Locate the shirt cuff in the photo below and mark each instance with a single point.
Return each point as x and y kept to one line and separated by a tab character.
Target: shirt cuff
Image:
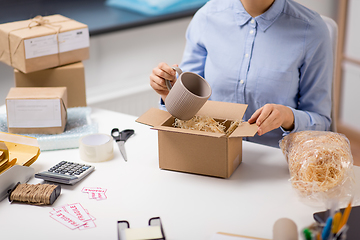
303	120
162	105
296	120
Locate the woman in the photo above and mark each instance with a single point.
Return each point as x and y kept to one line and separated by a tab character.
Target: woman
274	55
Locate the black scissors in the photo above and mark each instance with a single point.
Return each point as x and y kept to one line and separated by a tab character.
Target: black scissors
120	138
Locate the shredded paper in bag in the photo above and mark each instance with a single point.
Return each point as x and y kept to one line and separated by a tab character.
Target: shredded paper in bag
320	164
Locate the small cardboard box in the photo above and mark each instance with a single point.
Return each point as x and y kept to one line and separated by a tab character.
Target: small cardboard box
43	42
192	151
36	110
71	76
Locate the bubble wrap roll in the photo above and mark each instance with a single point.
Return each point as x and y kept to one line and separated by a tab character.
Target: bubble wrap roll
78	124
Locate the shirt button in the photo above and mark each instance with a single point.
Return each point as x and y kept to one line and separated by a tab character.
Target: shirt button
241	81
252	31
246	55
252	21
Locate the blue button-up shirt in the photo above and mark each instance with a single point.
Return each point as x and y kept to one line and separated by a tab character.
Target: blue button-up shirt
283	56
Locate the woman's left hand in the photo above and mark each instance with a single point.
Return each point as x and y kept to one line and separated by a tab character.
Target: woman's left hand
272	116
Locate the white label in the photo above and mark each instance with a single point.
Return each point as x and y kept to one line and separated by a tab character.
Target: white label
34	113
48	45
67	219
72	40
40	46
77	210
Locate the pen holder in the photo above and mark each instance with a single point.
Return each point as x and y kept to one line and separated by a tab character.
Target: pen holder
321	231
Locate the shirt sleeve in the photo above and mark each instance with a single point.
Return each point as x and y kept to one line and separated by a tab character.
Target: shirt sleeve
316	77
195	52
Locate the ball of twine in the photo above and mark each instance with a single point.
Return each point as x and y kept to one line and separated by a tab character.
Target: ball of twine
38	194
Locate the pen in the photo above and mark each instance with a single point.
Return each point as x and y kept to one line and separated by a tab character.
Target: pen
307	234
326	231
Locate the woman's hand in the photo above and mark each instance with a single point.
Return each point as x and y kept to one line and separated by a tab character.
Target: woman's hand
158	76
272	116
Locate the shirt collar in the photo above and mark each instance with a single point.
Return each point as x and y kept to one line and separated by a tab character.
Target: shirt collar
264	20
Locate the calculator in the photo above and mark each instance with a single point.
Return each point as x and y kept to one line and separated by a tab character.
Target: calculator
66	172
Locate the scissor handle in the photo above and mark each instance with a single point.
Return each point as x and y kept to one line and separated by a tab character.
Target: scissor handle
115	133
125	134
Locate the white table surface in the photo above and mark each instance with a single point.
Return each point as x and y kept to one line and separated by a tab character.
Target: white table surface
190	206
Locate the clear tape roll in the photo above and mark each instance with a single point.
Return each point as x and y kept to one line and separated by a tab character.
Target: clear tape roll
96	147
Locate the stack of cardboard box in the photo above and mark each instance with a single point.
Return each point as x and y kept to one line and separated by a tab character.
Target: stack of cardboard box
46	53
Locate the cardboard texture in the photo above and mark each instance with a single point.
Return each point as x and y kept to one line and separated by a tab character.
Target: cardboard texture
199	152
41	43
18	149
71	76
37	110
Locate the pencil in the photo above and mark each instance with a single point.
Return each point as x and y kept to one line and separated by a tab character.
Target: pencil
318	236
336	221
345	216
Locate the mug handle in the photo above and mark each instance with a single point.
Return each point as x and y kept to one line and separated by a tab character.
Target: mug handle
167	82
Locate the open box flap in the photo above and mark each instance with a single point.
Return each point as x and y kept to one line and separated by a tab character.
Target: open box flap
245	129
188	131
153	117
223	110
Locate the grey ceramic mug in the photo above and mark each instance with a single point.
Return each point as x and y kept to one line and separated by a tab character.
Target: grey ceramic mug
189	93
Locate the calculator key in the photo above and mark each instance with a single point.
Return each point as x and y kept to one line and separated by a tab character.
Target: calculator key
66	172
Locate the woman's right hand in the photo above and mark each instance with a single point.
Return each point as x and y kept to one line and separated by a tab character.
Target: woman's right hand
158	76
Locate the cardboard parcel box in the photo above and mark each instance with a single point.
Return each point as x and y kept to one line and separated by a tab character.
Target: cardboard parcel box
36	110
43	42
192	151
71	76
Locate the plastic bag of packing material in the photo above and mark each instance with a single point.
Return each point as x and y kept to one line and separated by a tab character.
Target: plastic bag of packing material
320	165
156	7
